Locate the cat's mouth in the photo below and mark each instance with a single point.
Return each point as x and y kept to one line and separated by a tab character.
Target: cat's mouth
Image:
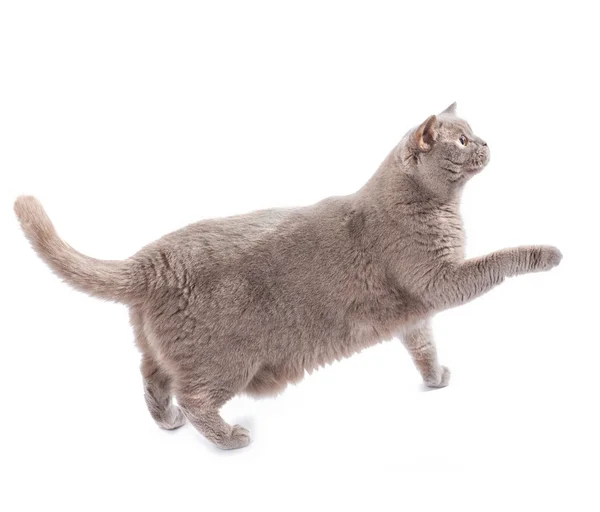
477	166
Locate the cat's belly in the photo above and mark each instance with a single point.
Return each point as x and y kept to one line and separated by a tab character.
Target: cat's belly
274	342
271	380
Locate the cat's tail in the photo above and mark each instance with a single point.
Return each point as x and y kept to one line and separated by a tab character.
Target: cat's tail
111	280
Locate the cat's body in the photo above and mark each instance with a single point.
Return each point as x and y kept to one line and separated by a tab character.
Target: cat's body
285	290
249	303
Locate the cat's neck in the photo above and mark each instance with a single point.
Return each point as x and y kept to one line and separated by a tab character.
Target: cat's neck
395	188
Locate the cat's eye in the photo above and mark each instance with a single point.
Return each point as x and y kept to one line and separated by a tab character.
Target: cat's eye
463	140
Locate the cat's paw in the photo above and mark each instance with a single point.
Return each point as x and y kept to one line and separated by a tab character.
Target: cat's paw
239	438
440	379
549	257
174	419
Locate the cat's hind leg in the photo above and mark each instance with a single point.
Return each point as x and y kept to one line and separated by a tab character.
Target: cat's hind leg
201	401
157	382
157	393
418	340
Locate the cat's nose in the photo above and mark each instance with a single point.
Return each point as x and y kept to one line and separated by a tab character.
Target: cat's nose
483	143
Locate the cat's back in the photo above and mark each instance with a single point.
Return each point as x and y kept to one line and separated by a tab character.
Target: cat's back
261	242
225	237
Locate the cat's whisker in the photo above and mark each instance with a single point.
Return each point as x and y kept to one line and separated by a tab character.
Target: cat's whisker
449	169
453	162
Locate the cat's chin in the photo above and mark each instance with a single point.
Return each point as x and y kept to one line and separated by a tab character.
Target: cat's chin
472	171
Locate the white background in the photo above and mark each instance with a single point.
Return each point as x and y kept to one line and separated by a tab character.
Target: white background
131	119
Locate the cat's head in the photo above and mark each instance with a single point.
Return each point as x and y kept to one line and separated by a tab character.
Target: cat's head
443	153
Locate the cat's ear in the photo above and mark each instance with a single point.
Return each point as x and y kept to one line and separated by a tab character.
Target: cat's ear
450	110
425	135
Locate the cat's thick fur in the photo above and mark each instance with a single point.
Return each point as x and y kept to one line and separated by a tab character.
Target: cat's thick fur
249	303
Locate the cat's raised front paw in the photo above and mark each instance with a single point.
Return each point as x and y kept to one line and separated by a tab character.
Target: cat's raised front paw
549	257
440	380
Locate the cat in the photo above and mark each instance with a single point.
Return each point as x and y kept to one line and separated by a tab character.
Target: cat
248	304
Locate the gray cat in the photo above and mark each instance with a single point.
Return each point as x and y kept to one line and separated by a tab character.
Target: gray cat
247	304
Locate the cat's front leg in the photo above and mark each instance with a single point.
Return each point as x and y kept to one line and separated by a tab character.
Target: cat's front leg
457	283
418	340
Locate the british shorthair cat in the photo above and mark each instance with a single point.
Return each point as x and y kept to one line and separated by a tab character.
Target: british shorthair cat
248	304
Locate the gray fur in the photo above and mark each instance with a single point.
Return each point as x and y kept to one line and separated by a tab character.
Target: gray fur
250	303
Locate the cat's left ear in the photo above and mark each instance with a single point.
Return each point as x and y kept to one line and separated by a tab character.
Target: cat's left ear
425	135
450	110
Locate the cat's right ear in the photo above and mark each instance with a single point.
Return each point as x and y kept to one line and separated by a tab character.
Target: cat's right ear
425	135
450	110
